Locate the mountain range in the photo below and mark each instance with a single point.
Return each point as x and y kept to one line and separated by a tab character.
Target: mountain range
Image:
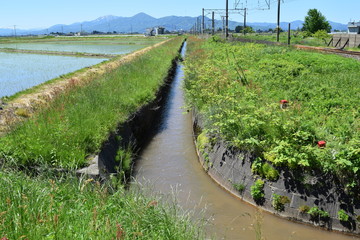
141	21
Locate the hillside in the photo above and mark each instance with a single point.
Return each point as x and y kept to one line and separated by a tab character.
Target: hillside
141	21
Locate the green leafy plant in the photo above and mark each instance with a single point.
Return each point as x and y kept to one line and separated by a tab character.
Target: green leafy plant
342	215
257	190
270	172
317	213
265	170
279	202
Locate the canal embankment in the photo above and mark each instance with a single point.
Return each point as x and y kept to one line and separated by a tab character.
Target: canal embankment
271	135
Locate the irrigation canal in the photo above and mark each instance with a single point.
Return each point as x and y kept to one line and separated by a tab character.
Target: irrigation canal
170	164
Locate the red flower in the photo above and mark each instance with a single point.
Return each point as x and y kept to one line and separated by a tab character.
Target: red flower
321	144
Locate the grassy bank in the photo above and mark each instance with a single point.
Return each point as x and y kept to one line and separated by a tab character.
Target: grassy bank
78	122
68	208
238	88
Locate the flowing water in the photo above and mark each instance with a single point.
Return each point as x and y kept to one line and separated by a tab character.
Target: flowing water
170	162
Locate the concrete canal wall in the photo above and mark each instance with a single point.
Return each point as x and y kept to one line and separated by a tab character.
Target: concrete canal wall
229	167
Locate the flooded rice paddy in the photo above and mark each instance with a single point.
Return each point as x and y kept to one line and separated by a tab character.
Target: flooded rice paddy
73	46
22	71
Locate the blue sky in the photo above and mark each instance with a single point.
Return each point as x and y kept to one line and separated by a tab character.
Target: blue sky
27	14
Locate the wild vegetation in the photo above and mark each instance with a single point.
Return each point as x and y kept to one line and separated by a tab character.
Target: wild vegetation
68	208
76	124
319	38
239	89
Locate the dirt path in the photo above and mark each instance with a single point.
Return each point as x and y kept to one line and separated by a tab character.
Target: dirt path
26	105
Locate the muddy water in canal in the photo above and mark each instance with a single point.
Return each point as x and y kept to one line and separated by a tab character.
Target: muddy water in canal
170	162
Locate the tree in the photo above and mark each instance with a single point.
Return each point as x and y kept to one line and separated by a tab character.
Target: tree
239	29
315	21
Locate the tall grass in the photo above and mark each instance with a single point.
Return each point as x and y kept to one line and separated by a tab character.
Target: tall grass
68	208
78	122
296	38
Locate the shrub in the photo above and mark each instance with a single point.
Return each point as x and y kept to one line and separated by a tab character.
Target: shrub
358	218
342	216
257	190
256	166
317	213
304	209
270	172
265	170
279	202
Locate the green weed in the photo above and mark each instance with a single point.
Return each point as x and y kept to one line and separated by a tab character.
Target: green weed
257	190
279	202
68	208
342	216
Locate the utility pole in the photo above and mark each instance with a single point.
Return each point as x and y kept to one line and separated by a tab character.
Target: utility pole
15	30
81	29
289	34
278	23
213	23
227	19
62	30
203	21
224	13
244	20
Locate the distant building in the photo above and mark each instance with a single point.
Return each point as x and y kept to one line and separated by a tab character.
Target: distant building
154	31
354	28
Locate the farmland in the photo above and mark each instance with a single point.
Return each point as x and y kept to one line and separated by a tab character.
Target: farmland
34	59
33	69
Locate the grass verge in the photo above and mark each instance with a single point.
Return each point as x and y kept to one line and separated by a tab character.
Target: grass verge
69	208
